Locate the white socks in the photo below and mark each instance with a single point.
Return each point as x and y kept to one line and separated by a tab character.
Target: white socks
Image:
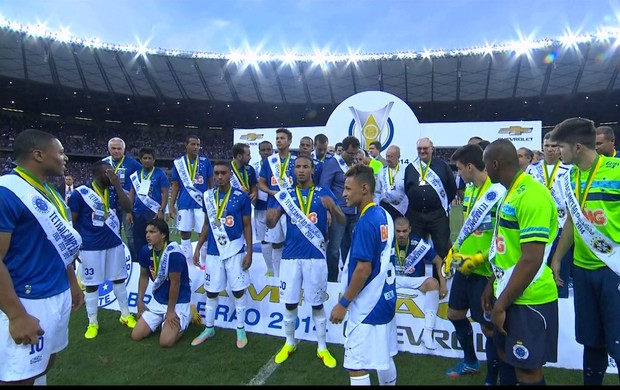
363	380
210	308
267	250
41	381
240	311
320	323
277	256
120	291
290	317
387	377
431	304
91	301
186	246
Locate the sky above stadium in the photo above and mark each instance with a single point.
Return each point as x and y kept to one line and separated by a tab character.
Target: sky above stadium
306	26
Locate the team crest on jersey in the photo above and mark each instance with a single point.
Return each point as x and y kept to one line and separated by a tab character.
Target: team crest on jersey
491	195
520	351
106	291
40	204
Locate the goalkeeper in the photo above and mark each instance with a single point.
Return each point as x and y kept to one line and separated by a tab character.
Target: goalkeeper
468	263
410	253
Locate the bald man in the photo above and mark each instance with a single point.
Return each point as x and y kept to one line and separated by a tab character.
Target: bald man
521	295
390	188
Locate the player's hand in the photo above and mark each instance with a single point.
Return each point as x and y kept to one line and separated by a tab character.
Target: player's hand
25	329
173	319
337	314
443	289
113	177
129	218
247	261
555	267
159	215
253	196
328	202
141	309
173	212
77	295
196	258
498	317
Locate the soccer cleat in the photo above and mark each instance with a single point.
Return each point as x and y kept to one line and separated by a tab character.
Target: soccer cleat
284	353
428	340
207	333
129	320
269	274
92	331
463	368
327	358
242	338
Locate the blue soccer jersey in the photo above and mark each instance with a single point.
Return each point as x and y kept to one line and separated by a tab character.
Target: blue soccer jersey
124	168
272	181
176	263
94	238
370	237
204	171
246	176
238	206
36	268
260	204
401	252
297	246
158	181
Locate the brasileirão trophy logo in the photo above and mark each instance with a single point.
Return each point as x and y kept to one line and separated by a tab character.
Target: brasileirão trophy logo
370	126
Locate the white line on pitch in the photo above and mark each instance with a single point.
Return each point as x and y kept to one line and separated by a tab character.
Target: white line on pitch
265	372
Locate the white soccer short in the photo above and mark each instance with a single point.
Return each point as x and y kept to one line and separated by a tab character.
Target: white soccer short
19	362
370	347
219	272
277	234
106	264
260	226
156	314
311	274
188	220
414	282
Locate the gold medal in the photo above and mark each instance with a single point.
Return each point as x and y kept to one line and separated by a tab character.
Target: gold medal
422	182
392	187
218	223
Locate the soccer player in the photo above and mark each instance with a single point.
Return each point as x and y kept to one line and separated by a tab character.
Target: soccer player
474	270
277	173
164	262
320	154
303	260
265	149
409	253
549	172
606	141
124	167
525	313
38	287
244	175
102	253
192	175
228	228
593	225
148	195
370	294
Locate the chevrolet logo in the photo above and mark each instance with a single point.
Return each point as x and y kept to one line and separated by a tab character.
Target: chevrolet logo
515	130
255	136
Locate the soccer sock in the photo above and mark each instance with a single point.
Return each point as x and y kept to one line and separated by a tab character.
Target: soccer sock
267	250
320	323
276	257
186	246
41	381
594	365
91	301
507	374
240	311
387	377
465	335
492	362
363	380
290	316
431	304
120	292
210	308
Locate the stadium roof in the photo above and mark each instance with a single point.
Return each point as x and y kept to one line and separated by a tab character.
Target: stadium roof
134	86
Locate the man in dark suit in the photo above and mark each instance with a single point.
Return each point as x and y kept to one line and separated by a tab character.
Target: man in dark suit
67	189
430	187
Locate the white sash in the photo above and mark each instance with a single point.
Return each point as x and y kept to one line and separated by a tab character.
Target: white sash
503	276
537	172
179	163
60	233
435	182
96	204
602	246
145	199
225	247
480	210
416	256
368	297
274	164
235	182
162	272
341	163
299	219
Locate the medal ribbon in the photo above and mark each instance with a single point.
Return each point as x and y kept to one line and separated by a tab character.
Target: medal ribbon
242	177
45	189
284	166
148	177
401	256
425	170
191	167
305	206
550	179
104	195
117	166
221	204
369	205
581	197
392	175
157	258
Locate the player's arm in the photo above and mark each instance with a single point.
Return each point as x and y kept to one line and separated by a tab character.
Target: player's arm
262	185
567	238
253	193
174	194
173	297
123	199
164	200
334	210
247	233
201	240
132	197
362	271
